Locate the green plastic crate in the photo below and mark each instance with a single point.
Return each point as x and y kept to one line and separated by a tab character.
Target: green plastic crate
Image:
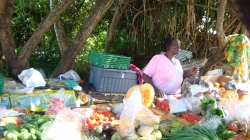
1	83
110	61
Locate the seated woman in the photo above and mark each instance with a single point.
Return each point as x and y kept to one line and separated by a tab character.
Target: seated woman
164	72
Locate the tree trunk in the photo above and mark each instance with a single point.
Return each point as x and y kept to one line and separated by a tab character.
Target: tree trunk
81	37
6	38
59	30
111	31
219	55
61	36
36	37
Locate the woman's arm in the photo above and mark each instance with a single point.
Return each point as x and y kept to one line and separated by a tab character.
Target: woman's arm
186	74
148	79
192	71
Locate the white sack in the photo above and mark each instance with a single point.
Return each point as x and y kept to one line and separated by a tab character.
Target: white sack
70	75
32	78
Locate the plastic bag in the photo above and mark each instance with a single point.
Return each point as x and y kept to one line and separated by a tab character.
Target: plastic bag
132	106
86	112
207	105
193	103
67	125
56	103
214	72
32	78
211	122
145	130
147	117
70	75
17	88
195	89
117	109
236	110
176	105
3	111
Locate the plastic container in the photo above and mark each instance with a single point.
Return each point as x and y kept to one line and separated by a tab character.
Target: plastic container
1	84
111	61
112	80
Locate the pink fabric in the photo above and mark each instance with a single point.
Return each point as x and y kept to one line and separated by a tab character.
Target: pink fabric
138	71
166	76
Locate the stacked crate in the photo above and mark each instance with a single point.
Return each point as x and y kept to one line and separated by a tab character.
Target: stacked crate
110	73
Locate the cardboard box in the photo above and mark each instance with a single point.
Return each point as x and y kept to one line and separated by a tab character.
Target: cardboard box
216	78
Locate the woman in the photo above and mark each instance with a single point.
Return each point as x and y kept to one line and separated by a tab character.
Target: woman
164	72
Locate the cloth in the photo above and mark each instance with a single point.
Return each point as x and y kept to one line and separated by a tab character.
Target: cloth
71	83
165	75
237	55
138	71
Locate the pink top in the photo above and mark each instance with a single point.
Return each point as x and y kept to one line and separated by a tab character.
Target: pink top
165	75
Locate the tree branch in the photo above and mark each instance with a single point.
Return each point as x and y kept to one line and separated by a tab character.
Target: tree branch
33	41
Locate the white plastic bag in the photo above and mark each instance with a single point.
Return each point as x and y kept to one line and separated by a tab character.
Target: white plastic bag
147	117
132	106
176	105
193	103
56	103
3	111
214	72
197	89
211	122
117	109
17	88
67	125
70	75
32	78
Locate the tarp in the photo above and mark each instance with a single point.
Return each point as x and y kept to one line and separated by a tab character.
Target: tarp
37	101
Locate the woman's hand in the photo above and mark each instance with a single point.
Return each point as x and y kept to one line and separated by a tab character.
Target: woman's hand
194	70
160	94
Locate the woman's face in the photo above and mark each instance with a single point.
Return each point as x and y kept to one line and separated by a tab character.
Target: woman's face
174	48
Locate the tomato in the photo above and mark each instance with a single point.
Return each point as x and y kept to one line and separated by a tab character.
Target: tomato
222	84
106	119
232	127
191	117
111	119
164	105
106	113
101	116
100	121
92	117
90	123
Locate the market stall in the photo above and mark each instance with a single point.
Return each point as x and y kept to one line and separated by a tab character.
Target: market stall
152	118
122	108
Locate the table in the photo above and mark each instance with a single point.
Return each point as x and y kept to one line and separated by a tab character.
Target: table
3	98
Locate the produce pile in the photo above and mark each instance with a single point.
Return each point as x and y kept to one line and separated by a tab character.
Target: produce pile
31	129
222	113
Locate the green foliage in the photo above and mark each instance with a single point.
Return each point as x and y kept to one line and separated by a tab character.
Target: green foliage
46	57
96	41
28	15
135	35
